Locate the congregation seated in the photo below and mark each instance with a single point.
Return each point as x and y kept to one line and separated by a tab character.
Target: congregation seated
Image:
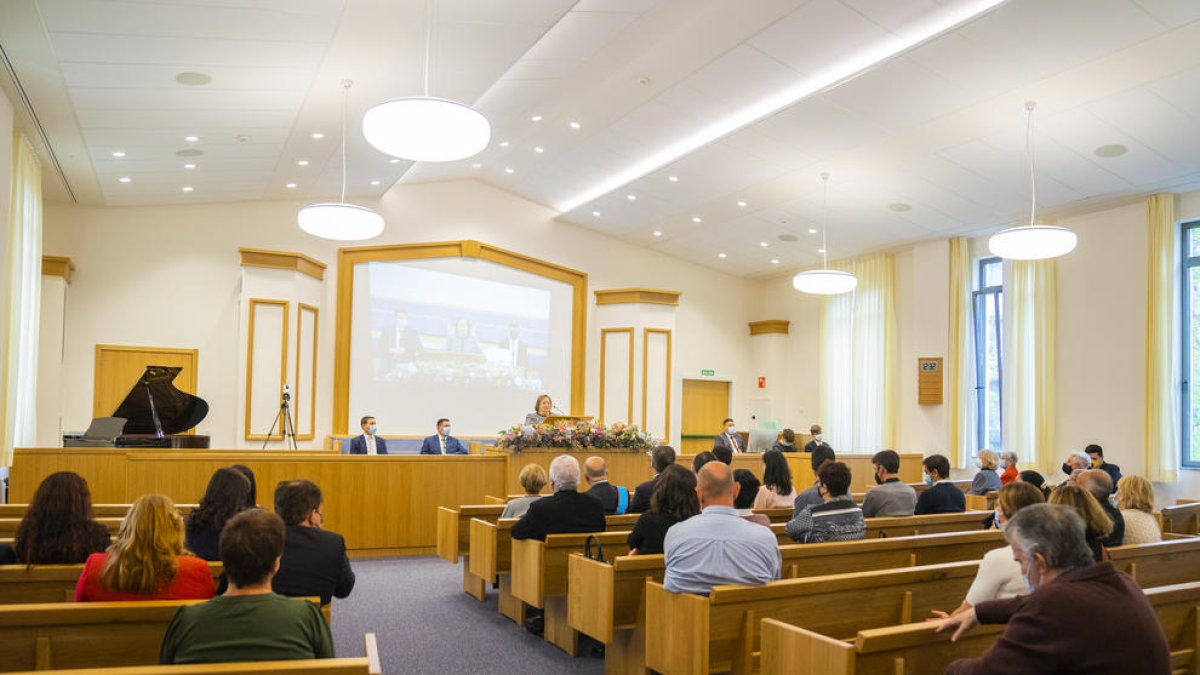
567	510
1135	499
1076	463
249	474
1095	455
674	501
314	561
777	491
1035	479
58	527
748	487
942	495
701	459
661	457
614	498
1099	483
838	518
248	622
723	453
227	495
999	576
890	497
1008	467
810	496
818	448
786	442
147	561
1079	617
718	547
986	480
532	479
1099	526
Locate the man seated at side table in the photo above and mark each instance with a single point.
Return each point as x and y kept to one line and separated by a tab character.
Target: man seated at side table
314	560
941	496
890	497
718	546
248	622
442	443
838	518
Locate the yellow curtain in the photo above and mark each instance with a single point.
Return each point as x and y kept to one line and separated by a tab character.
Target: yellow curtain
1030	333
960	351
1162	343
23	272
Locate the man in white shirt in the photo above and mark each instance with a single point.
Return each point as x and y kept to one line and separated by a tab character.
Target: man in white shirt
368	443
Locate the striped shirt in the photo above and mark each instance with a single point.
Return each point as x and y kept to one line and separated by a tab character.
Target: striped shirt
839	519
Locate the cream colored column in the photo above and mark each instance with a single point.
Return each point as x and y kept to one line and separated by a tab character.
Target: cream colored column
769	357
56	279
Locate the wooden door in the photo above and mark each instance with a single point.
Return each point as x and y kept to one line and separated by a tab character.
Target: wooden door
705	404
119	367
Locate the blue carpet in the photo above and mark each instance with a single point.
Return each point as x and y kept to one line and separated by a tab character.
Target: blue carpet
425	624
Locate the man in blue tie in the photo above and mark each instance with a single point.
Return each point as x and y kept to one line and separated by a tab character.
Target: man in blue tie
442	443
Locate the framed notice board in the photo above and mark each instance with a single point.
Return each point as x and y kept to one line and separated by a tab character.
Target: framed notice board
929	380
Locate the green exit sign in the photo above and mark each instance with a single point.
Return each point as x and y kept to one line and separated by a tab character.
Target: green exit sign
707	373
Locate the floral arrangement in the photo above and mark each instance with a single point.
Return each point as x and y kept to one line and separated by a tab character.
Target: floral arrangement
575	436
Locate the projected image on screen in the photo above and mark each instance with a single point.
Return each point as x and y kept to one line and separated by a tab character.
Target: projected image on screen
466	339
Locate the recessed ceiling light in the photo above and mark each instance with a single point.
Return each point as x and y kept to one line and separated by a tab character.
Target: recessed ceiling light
774	261
189	152
318	135
187	188
476	165
535	118
394	160
1111	150
575	125
193	79
763	244
787	237
741	205
821	251
504	144
374	182
191	139
722	256
189	165
631	197
124	179
596	213
118	154
290	186
812	230
658	233
302	162
539	150
900	207
673	179
695	219
508	169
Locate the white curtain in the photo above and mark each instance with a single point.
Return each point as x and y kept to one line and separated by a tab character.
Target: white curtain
23	272
858	359
1030	333
1162	341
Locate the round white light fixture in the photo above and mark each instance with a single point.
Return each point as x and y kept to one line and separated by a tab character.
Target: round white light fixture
124	179
697	219
575	125
302	162
188	188
1032	242
426	129
539	150
658	233
596	214
741	205
340	222
118	154
774	261
824	282
290	186
722	256
535	118
189	165
673	179
191	139
503	144
508	169
318	135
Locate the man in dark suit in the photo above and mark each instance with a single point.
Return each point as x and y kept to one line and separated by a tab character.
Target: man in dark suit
314	561
941	496
660	458
728	438
614	498
442	443
567	510
818	448
368	443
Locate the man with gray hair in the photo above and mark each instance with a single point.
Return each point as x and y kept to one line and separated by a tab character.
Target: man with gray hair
1067	590
1099	483
567	510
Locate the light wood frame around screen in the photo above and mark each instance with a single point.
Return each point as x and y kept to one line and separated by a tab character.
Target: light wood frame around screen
468	248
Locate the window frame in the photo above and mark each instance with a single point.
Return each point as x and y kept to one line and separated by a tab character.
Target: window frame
1187	263
979	297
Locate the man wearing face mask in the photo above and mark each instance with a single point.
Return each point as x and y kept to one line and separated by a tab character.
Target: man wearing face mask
1067	590
818	448
728	438
442	443
890	497
368	443
941	496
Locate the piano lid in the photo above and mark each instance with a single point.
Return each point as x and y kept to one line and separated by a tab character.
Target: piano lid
155	406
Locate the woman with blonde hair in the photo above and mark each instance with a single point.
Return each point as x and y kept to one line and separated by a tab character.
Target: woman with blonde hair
147	561
1135	499
1099	525
987	479
533	479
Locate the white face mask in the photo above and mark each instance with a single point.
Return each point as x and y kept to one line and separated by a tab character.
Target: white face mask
371	429
1003	464
446	430
819	437
731	430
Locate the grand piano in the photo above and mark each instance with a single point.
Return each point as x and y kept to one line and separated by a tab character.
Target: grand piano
157	414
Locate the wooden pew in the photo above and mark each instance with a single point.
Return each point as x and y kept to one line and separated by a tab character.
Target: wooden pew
985	502
98	510
8	526
1161	563
696	635
964	485
1181	518
606	600
776	515
915	649
453	540
935	523
539	578
20	584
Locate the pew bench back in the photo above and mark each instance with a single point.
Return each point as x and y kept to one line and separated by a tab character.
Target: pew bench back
21	584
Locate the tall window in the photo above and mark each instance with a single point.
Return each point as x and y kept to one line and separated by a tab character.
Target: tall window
989	356
1191	345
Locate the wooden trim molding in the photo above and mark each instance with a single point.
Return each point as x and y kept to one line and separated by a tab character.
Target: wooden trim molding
283	348
283	260
57	266
666	434
769	327
349	257
646	296
301	308
604	333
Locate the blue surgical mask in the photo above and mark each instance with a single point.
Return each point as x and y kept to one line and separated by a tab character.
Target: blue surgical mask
731	430
372	429
446	430
1028	586
928	479
1003	464
999	524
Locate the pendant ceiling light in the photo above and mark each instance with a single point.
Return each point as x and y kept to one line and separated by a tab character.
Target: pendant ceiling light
426	128
338	220
1034	241
824	281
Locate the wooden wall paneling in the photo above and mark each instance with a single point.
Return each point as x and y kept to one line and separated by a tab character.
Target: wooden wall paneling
616	379
304	385
118	367
656	382
261	356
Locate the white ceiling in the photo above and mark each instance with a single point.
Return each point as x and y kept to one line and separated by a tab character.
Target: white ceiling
939	127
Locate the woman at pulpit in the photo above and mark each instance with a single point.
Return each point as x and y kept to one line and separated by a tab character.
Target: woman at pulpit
541	410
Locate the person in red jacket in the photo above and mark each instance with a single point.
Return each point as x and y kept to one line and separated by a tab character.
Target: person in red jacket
1067	590
147	561
1008	464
